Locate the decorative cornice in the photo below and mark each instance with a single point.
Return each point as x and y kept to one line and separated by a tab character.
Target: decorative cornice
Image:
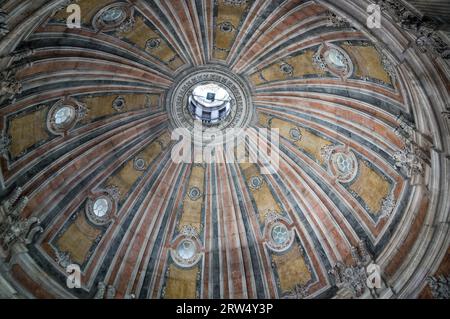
424	30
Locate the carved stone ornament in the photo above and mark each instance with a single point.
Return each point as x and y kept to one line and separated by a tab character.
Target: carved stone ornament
189	231
186	247
63	259
299	292
409	161
235	3
278	232
353	277
440	286
13	228
100	209
9	86
64	115
5	142
387	206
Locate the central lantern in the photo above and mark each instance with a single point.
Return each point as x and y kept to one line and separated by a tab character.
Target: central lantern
209	103
214	96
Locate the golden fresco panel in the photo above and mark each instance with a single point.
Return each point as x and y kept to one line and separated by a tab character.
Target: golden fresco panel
142	33
265	202
125	177
309	142
371	187
78	239
367	62
192	205
302	65
102	106
291	268
181	282
27	130
232	16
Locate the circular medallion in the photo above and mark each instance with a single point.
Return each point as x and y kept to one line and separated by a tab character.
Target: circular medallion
139	164
119	103
186	249
101	207
342	163
345	166
98	210
153	43
279	234
255	182
295	134
194	193
335	58
64	115
113	15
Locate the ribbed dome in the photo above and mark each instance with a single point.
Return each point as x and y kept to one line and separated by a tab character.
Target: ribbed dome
361	168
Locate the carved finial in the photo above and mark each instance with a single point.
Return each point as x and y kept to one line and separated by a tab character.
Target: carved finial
355	255
337	21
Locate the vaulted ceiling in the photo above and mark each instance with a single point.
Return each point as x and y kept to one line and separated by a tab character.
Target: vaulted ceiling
363	153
